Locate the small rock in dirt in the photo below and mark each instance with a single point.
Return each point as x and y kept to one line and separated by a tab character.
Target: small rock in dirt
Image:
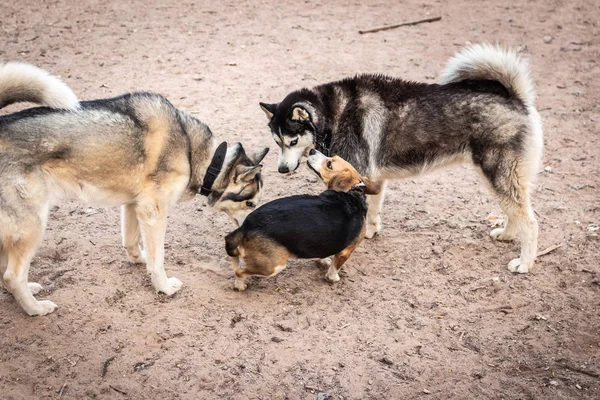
553	383
578	387
437	250
276	339
283	328
548	39
539	317
426	391
143	365
324	396
386	361
236	318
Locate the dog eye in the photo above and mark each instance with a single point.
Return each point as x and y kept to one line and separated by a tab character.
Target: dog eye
250	204
294	142
328	164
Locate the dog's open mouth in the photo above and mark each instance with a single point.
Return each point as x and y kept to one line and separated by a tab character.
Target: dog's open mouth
314	170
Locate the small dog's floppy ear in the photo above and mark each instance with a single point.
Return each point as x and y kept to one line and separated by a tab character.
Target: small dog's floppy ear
269	109
340	183
371	187
246	173
299	114
257	157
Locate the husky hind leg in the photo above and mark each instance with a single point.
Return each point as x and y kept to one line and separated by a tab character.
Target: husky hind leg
511	178
18	255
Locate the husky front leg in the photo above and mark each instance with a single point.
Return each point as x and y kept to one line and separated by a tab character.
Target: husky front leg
130	229
374	212
153	223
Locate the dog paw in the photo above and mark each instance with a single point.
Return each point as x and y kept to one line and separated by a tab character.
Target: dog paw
332	276
42	307
371	230
324	262
502	235
34	288
373	226
173	285
240	284
517	267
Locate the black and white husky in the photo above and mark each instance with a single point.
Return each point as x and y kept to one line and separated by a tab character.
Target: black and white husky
481	111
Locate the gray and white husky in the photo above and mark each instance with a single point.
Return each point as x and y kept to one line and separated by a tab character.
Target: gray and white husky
481	111
136	151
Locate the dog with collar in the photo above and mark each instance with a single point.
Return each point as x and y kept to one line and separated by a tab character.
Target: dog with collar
136	151
304	226
482	111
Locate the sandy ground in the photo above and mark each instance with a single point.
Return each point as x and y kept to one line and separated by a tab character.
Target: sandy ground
427	309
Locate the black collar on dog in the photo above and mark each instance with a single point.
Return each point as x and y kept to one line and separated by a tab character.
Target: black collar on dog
213	169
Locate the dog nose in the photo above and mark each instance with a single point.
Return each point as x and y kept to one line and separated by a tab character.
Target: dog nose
283	170
312	152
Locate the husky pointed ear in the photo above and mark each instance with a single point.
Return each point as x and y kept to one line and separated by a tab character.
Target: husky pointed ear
371	187
299	114
269	109
257	157
245	173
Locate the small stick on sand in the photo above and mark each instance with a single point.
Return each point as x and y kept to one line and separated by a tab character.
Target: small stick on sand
549	249
388	27
116	389
62	390
106	364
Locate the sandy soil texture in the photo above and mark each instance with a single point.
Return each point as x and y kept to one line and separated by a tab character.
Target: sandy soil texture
427	309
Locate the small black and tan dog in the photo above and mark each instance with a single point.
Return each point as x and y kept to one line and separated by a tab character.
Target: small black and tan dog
304	226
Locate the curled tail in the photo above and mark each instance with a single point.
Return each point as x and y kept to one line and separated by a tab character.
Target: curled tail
24	82
485	61
232	241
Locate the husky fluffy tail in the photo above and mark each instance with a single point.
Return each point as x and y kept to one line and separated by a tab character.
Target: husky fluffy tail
485	61
24	82
232	241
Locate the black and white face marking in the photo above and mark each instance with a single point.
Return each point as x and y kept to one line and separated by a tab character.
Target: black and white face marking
291	150
292	130
239	190
240	200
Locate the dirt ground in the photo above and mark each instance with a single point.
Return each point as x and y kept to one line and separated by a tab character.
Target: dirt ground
427	309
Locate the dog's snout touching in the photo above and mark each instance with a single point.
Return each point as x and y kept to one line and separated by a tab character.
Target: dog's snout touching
312	152
283	170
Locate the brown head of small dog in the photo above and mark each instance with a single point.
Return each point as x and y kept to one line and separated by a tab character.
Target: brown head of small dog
338	174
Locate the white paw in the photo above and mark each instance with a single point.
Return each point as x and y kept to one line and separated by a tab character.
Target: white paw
373	226
173	285
502	235
34	288
240	284
332	275
324	262
517	267
371	230
42	307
